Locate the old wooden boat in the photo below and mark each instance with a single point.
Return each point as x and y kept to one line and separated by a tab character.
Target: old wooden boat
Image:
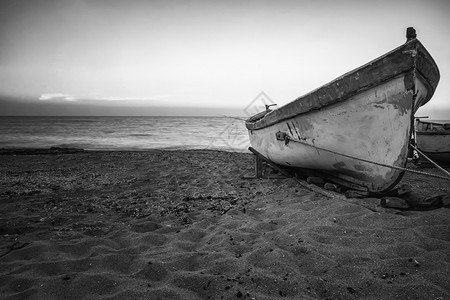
356	129
432	138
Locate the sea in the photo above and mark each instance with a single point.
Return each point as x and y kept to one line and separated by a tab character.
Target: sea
125	133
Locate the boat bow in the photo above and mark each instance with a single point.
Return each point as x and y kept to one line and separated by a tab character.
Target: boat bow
353	127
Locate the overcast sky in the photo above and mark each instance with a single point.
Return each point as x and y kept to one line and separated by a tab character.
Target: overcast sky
204	53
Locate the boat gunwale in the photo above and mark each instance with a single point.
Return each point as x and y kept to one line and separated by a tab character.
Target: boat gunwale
446	132
434	122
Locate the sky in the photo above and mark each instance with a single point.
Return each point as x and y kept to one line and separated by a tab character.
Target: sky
136	57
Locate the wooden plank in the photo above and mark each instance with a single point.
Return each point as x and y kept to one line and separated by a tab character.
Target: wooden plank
310	187
259	171
258	167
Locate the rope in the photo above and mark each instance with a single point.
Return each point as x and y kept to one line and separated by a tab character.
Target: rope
368	161
430	160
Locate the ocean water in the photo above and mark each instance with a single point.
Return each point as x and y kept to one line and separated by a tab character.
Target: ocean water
124	133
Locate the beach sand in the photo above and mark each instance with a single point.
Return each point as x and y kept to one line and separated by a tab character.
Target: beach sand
186	225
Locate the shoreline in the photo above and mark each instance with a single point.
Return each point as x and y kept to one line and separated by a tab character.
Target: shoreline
71	150
185	225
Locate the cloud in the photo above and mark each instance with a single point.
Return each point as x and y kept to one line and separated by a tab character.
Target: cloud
57	96
113	98
97	98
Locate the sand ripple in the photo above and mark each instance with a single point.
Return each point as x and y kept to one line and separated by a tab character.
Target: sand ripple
185	225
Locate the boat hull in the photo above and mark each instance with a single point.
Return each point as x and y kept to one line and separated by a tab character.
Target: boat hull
374	125
435	144
355	130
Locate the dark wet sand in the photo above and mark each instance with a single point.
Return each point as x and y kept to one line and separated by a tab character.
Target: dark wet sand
185	225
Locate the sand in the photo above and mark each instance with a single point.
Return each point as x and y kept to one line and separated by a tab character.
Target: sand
186	225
